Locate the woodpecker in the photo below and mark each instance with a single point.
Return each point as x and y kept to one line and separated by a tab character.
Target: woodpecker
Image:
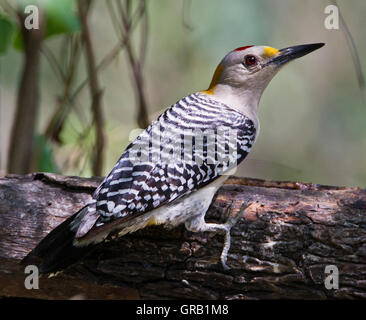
198	141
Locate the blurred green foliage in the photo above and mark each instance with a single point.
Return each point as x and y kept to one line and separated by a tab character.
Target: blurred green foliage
7	28
60	18
44	155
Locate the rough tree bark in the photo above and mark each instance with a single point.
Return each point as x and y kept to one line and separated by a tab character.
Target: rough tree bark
280	246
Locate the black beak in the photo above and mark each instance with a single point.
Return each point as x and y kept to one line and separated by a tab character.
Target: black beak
288	54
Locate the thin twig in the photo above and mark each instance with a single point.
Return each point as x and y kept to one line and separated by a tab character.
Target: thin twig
53	62
186	15
67	100
354	53
115	22
112	54
136	67
95	90
144	36
55	125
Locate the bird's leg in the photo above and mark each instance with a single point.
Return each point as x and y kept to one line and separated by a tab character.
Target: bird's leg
198	224
228	225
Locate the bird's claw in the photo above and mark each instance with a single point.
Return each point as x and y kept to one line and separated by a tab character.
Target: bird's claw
231	221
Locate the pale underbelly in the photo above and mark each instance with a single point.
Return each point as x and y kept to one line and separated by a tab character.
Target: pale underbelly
170	215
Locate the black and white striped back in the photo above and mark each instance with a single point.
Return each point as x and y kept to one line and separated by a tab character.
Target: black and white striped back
189	146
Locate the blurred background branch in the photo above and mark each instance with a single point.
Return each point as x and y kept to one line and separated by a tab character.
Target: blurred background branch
77	40
354	53
23	129
122	25
63	102
95	90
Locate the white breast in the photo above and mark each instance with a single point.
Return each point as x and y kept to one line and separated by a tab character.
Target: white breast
195	204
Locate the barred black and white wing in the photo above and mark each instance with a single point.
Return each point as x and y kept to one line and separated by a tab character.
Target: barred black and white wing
189	146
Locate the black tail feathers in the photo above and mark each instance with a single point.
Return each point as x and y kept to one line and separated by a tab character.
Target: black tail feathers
56	251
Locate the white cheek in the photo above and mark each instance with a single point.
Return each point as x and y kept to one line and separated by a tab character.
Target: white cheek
234	75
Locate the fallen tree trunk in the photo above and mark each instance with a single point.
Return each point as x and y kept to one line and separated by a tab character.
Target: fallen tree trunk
280	247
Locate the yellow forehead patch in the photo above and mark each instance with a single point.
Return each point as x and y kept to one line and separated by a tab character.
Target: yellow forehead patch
269	51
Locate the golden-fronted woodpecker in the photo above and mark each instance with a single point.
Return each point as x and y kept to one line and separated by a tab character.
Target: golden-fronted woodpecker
173	169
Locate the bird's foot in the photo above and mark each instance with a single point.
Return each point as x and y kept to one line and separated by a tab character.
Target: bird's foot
232	220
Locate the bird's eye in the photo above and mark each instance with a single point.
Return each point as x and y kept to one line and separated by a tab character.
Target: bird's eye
250	60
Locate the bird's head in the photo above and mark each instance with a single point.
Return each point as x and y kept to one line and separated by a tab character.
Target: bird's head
248	70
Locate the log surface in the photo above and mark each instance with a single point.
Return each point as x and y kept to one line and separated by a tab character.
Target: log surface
280	246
